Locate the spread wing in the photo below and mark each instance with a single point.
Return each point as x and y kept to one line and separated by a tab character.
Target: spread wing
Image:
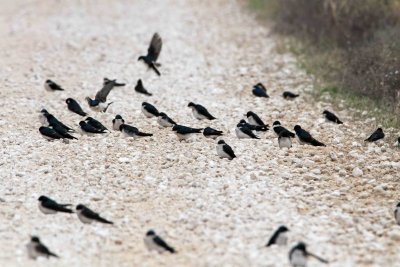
103	93
155	48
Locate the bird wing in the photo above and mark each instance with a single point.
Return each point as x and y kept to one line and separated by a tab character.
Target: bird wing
90	214
155	48
152	109
187	130
103	93
75	107
305	136
50	133
43	249
258	120
228	150
89	128
55	86
203	111
317	257
248	131
160	242
272	240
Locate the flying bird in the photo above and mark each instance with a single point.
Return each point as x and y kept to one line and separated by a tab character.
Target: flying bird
74	106
49	133
86	215
224	150
49	206
279	237
96	124
99	103
130	131
397	213
284	139
89	129
329	116
212	133
260	90
255	120
117	121
375	136
154	242
298	256
140	88
200	112
243	131
305	137
164	120
51	86
289	95
152	53
278	129
149	110
37	249
183	132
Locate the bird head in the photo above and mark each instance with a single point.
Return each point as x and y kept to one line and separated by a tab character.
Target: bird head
42	198
141	58
301	246
35	239
379	130
118	117
80	207
48	81
81	123
276	123
150	233
297	127
221	142
191	104
249	113
68	100
283	228
325	112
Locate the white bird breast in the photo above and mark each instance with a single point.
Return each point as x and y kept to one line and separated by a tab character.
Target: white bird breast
197	115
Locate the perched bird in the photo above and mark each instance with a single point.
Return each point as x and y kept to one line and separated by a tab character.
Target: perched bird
305	137
154	242
260	91
289	95
117	121
200	112
279	237
62	131
37	249
89	129
51	86
211	133
49	206
254	119
96	124
397	213
130	131
284	139
114	81
183	132
49	133
164	120
243	131
99	103
86	215
140	88
224	150
152	53
48	119
329	116
278	128
375	136
397	143
149	110
298	256
254	127
75	107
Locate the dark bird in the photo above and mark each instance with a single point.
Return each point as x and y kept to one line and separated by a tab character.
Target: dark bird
75	107
154	242
62	131
260	91
289	95
254	119
48	119
200	112
49	133
49	206
140	88
224	150
130	131
86	215
331	117
96	124
254	127
117	121
183	132
298	256
279	237
375	136
397	143
164	120
89	129
397	213
284	139
51	86
243	131
149	110
114	81
99	103
37	249
152	53
305	137
211	133
278	129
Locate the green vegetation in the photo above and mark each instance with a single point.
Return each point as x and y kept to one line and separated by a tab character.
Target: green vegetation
351	46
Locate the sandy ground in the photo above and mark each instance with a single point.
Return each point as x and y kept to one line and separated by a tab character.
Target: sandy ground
214	212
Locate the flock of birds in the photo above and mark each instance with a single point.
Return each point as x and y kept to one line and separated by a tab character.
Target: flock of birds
54	129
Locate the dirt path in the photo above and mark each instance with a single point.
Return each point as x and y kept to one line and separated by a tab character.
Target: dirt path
215	212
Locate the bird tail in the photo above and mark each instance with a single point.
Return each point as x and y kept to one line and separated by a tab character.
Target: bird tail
317	257
157	64
107	106
149	94
198	130
119	84
339	122
262	128
63	209
154	67
144	134
53	255
170	249
315	142
104	221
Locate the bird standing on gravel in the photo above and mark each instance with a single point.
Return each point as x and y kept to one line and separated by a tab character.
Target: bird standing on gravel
49	206
130	131
305	137
289	95
51	86
224	150
183	132
164	120
89	129
329	116
284	139
212	133
278	129
140	88
74	106
37	249
87	216
117	121
154	242
200	112
49	133
152	53
260	90
255	120
279	237
99	103
298	256
375	136
243	131
96	124
149	110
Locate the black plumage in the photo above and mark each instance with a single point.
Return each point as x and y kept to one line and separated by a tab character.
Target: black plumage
74	106
96	124
254	127
244	129
278	129
62	131
48	203
49	133
289	95
86	127
201	111
88	213
260	90
306	137
52	86
331	117
133	131
375	136
210	132
152	53
185	130
140	88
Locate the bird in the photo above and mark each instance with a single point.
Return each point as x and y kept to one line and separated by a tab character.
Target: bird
243	131
37	249
86	215
96	124
89	129
212	133
49	133
397	213
224	150
305	137
254	119
375	136
117	121
114	81
164	120
183	132
279	237
140	88
152	53
260	91
48	119
99	103
154	242
254	127
289	95
149	110
200	112
298	256
62	131
278	128
130	131
329	116
51	86
49	206
284	139
74	106
397	143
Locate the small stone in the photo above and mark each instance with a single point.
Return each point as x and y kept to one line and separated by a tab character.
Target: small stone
357	172
333	156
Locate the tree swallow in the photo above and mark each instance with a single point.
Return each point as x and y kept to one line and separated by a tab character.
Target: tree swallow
89	129
99	103
259	90
254	127
114	81
154	242
200	112
130	131
96	124
305	137
48	119
86	215
164	120
51	86
284	139
278	128
289	95
49	206
183	132
140	88
279	237
212	133
224	150
397	213
37	249
375	136
75	107
243	131
298	256
329	116
149	110
117	121
49	133
255	120
152	53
